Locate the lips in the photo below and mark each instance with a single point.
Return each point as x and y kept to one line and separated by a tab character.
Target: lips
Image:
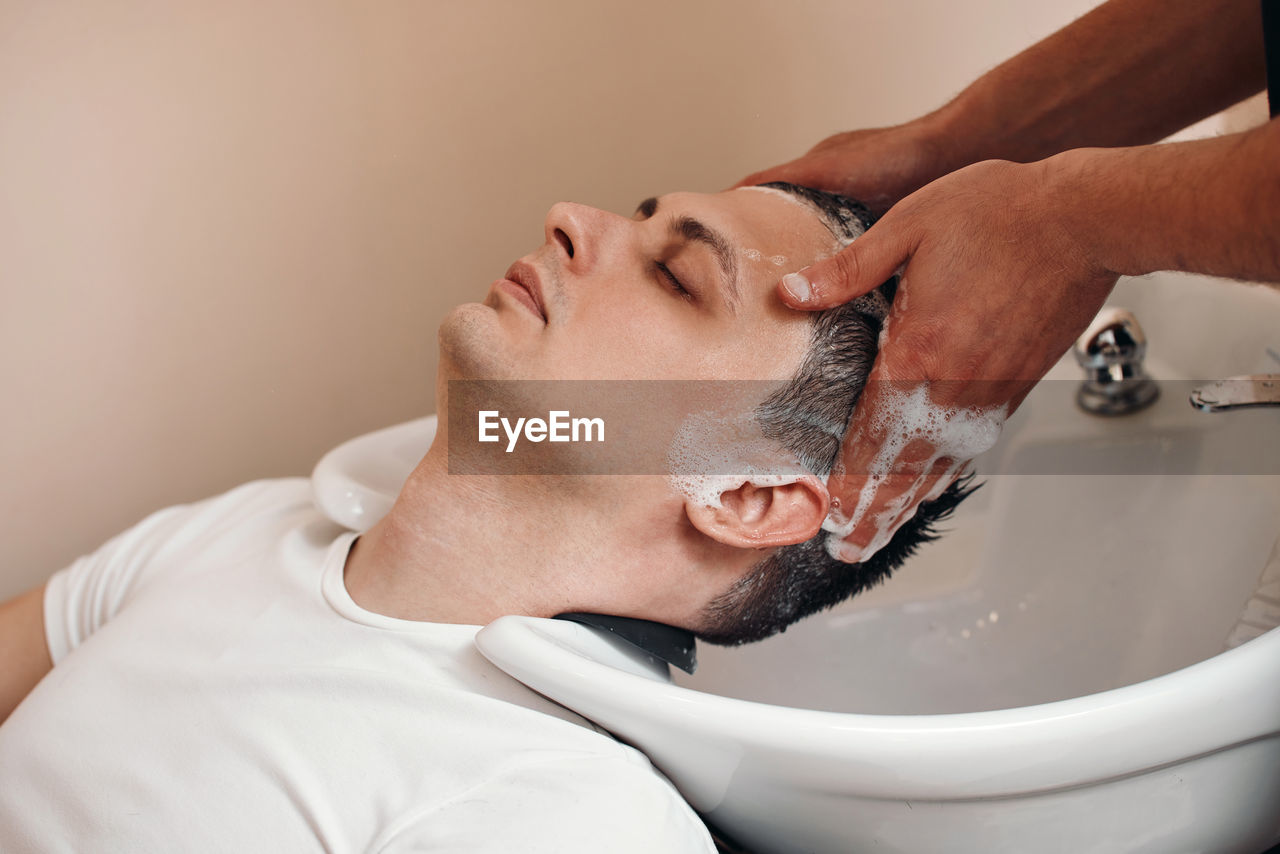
526	276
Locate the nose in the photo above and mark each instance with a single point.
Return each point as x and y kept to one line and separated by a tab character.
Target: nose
581	235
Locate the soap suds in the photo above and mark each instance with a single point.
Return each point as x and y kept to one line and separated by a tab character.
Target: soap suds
757	255
714	453
782	194
958	434
872	304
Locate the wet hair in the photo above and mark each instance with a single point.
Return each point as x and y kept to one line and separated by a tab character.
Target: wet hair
809	416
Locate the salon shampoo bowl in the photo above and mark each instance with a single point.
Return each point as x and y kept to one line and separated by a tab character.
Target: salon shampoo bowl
1188	762
1086	663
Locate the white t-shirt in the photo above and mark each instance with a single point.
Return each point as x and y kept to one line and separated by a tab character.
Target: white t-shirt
216	689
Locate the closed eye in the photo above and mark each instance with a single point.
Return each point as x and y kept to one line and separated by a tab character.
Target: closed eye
672	282
685	230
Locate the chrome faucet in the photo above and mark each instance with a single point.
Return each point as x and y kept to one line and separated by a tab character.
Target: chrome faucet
1111	352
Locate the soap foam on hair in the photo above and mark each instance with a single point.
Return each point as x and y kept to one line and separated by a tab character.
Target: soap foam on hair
712	454
782	194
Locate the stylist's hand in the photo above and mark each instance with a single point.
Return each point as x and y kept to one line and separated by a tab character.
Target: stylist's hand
877	166
997	284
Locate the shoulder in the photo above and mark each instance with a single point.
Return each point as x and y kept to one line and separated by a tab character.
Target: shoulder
560	804
83	597
257	504
257	497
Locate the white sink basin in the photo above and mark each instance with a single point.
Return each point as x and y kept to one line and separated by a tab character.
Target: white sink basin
1082	664
1054	582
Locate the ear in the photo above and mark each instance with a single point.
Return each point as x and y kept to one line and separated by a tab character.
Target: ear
755	516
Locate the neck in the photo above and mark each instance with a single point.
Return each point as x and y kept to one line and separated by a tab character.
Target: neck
442	554
468	549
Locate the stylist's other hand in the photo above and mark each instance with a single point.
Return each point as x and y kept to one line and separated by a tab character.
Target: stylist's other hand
996	284
877	166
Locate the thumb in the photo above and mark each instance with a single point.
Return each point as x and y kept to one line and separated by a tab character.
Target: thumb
860	267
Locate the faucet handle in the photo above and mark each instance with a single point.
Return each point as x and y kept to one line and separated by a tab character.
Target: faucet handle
1111	352
1113	339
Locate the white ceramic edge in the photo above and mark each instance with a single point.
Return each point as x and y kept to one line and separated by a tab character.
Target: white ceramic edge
349	501
1201	709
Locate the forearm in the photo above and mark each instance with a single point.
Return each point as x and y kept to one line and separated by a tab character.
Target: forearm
22	649
1128	73
1208	206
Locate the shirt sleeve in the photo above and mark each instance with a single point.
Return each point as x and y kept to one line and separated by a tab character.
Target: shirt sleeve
81	598
571	806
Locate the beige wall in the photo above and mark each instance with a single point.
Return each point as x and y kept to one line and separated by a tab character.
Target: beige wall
228	230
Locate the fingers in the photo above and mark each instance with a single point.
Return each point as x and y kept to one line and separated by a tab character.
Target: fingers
901	448
889	509
869	468
759	178
799	171
893	503
860	267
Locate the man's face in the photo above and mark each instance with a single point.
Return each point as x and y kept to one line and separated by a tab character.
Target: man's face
683	289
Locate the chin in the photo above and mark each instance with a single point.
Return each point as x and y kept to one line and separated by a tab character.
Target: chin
474	345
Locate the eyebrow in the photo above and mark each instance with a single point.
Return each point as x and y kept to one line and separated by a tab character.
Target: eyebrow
687	229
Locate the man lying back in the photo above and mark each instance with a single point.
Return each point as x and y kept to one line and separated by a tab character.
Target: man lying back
241	674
